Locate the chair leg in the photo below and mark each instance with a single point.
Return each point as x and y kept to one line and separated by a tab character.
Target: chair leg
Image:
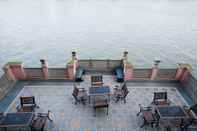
139	113
95	112
124	100
107	110
117	99
144	123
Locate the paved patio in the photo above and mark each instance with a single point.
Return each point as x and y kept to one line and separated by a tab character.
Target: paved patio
70	117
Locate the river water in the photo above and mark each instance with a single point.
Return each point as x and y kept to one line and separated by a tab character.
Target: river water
51	29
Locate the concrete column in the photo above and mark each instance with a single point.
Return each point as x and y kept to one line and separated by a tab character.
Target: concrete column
155	69
128	72
45	70
186	70
17	70
72	66
70	71
9	73
179	72
127	67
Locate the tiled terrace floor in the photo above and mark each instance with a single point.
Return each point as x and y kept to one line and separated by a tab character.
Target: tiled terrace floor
71	117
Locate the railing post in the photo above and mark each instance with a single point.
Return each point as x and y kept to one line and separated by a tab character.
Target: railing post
17	69
72	66
179	72
155	69
186	70
45	69
127	67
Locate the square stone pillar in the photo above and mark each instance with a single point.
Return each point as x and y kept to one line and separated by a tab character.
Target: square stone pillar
71	71
72	67
17	69
183	72
45	69
127	67
8	73
128	72
155	69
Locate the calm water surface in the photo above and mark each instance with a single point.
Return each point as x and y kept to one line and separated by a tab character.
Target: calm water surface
148	29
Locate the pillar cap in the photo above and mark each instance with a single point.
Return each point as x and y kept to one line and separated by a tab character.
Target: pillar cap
13	63
185	65
157	61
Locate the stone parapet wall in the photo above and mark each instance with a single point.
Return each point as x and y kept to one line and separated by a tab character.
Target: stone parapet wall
33	73
5	85
142	73
99	65
58	73
168	74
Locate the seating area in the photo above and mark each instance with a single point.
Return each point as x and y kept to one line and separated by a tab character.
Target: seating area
80	106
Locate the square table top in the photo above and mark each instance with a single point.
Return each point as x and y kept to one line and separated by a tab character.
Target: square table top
99	90
168	112
17	119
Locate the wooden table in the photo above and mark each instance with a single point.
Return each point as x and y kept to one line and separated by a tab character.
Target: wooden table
96	91
171	113
19	119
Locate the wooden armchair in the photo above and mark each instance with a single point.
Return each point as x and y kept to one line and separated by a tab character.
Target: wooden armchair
100	103
27	104
160	98
148	116
121	93
80	95
39	121
192	113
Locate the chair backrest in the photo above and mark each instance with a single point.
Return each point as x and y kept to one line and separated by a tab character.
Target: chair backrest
27	100
160	96
125	89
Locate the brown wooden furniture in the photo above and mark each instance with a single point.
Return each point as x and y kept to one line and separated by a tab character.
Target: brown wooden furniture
160	98
121	93
39	121
16	120
97	81
27	104
192	113
172	114
80	95
149	117
100	102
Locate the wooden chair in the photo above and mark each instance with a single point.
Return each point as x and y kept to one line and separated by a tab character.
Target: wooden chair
160	98
121	93
27	104
80	95
39	121
192	113
100	102
149	118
